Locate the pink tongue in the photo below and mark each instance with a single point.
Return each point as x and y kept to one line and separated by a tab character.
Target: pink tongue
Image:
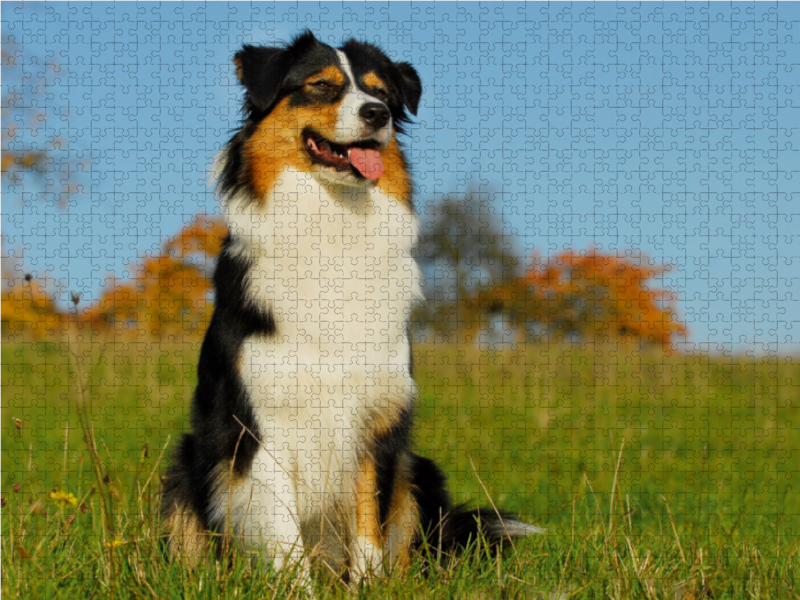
368	162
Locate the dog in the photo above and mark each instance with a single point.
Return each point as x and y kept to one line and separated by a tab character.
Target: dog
301	420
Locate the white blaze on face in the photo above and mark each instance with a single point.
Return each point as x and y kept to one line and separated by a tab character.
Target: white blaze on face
350	128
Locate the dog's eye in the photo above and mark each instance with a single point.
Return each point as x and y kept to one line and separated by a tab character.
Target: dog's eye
381	94
322	86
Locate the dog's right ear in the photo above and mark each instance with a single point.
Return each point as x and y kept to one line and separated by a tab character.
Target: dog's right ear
261	71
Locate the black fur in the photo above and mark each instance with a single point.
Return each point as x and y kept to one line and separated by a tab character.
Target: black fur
442	525
453	528
220	395
387	450
270	74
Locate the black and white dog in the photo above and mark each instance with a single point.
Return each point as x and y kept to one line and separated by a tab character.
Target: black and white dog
302	414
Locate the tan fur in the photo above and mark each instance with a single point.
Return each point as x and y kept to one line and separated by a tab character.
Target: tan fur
381	419
238	63
401	524
188	539
227	480
373	81
368	527
330	74
395	181
278	142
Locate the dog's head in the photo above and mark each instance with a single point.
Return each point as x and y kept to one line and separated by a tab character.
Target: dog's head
329	111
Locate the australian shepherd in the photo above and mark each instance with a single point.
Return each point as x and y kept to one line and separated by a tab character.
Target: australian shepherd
301	420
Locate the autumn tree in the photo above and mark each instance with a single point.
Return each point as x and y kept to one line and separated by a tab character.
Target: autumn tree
167	294
588	296
29	311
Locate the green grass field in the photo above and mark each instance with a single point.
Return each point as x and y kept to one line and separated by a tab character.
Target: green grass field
656	477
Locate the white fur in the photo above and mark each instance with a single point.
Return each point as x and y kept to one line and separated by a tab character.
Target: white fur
512	528
334	266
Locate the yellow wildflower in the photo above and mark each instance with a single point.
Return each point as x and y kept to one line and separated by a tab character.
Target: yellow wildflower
64	498
114	543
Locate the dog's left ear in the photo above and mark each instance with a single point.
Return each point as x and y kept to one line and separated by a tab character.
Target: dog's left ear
261	71
410	85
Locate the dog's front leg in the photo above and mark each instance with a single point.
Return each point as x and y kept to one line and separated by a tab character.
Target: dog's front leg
264	512
367	551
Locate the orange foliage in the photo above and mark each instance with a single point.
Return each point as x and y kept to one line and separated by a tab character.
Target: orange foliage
167	294
29	311
588	296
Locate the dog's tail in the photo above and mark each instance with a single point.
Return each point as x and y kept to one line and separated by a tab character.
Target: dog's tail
453	528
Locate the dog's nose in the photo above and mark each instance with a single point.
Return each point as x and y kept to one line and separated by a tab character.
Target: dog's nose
375	114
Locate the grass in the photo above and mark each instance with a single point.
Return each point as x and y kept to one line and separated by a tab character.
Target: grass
656	477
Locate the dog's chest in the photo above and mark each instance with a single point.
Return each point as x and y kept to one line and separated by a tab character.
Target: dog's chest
338	275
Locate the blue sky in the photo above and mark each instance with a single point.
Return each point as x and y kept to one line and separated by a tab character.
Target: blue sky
661	128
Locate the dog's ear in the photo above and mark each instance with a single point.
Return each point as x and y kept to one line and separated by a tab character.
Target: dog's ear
261	71
410	85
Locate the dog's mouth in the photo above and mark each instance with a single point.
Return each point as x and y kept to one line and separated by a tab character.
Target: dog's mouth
362	159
